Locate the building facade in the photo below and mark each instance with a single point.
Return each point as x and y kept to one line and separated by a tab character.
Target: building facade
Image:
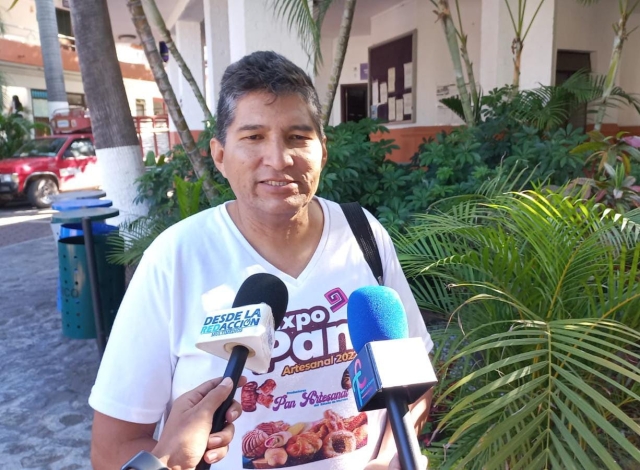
22	69
211	34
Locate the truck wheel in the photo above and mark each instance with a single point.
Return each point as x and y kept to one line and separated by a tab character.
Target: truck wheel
40	191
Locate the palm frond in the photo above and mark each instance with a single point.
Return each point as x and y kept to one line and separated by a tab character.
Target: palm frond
550	106
557	412
127	246
299	14
542	293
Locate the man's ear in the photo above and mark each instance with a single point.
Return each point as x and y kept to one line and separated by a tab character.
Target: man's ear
217	153
324	152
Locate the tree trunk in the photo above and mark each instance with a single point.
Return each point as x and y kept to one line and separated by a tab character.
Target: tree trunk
157	68
51	57
464	52
470	75
343	42
444	14
516	48
117	147
610	82
152	11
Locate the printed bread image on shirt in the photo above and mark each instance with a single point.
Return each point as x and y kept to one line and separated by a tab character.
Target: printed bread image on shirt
278	444
251	394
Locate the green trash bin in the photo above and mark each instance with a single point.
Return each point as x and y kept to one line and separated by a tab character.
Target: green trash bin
77	306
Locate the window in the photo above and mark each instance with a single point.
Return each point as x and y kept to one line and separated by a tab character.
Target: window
158	107
65	30
80	148
140	107
47	147
63	17
76	99
39	105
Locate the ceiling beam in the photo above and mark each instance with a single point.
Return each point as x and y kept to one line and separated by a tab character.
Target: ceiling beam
174	16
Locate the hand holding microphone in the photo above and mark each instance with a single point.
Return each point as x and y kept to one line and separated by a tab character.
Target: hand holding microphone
244	334
186	437
391	370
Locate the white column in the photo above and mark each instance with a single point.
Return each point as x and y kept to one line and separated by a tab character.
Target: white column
537	66
253	26
496	36
188	39
216	31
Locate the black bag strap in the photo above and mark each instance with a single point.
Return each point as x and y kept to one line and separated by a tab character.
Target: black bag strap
362	231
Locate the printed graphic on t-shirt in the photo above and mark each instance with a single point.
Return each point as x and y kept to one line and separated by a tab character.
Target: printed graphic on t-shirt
307	340
277	444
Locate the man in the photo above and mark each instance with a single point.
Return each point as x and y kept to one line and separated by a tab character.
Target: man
270	145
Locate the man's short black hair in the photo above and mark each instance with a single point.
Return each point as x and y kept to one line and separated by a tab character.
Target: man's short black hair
269	72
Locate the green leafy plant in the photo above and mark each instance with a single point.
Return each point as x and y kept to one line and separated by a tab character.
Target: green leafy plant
14	132
542	359
173	193
357	170
608	151
461	161
128	246
546	107
157	187
609	169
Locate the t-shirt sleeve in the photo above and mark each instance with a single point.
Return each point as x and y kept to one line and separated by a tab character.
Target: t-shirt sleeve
394	277
134	379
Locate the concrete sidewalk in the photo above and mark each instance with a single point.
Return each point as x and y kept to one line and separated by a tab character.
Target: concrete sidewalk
46	378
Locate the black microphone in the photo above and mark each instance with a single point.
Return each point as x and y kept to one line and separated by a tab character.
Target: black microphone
244	334
391	370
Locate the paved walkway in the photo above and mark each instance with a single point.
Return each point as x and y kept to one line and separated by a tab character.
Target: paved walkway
45	421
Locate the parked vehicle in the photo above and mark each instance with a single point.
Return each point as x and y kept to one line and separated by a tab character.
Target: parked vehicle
45	166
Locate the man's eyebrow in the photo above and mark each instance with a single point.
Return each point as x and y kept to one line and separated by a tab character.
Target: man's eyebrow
301	127
251	127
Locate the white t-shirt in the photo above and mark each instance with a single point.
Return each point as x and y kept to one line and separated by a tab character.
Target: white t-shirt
302	412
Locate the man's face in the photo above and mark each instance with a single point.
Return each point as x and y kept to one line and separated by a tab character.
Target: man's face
273	155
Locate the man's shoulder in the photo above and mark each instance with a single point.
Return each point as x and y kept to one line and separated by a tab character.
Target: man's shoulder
335	208
196	227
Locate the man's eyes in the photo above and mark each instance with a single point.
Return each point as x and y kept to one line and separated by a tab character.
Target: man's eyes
296	137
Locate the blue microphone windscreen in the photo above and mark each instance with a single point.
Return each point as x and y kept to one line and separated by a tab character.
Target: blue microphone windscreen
375	313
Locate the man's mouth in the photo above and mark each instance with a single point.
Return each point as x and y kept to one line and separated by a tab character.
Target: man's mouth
277	183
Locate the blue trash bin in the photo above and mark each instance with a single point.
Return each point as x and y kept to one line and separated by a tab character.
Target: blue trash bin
73	204
75	230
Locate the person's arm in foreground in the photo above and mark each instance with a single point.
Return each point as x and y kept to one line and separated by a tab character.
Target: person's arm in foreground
387	456
185	436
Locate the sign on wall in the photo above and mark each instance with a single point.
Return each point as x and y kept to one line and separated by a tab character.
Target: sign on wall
392	79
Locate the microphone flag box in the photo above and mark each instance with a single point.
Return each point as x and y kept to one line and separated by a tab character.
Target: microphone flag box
251	326
401	365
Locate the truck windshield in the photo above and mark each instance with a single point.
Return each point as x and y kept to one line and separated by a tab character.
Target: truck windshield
44	147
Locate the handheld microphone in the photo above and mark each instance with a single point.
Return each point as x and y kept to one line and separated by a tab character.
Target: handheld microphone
244	334
391	370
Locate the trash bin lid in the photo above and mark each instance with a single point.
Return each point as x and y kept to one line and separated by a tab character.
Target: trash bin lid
76	216
72	204
82	194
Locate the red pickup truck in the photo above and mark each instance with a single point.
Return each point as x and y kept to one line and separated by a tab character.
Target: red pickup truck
64	161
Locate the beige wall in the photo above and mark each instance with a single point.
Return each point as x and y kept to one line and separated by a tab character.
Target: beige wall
589	29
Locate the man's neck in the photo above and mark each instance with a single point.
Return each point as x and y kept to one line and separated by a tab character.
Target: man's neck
288	243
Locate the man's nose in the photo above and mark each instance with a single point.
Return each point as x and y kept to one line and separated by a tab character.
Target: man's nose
277	155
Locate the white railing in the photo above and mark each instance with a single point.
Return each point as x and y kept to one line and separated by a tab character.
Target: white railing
14	32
